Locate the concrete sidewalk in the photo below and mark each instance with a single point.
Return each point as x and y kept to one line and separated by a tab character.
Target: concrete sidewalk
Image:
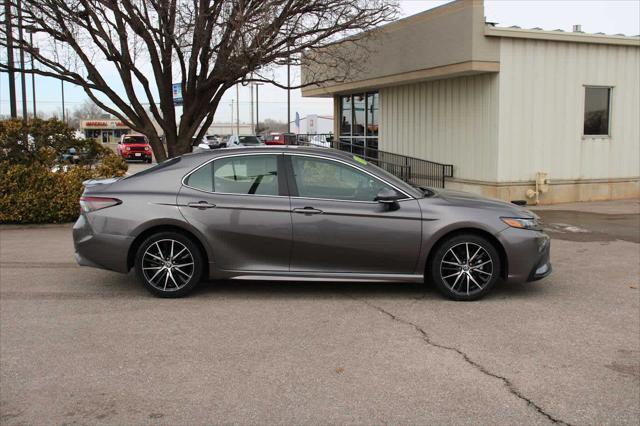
593	221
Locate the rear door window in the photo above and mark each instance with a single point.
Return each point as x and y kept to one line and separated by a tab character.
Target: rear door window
246	174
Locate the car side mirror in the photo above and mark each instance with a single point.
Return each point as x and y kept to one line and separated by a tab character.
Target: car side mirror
389	198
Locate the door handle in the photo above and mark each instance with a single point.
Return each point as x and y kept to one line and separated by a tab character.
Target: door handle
201	205
308	210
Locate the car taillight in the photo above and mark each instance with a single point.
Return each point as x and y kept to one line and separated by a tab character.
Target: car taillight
91	204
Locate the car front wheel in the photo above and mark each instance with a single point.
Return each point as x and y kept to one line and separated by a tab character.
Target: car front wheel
169	264
465	267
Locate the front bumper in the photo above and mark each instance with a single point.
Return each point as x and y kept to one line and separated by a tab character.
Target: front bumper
131	155
543	268
528	254
98	250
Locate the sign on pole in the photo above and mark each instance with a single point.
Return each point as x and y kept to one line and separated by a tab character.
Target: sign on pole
312	124
177	93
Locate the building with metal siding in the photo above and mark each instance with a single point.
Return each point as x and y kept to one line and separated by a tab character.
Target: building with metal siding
504	105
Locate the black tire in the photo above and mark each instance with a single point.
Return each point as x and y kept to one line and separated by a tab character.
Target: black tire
465	281
153	272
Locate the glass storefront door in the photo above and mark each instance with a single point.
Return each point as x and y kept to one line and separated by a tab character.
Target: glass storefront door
359	119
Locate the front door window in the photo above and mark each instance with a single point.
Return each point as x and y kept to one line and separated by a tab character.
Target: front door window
328	179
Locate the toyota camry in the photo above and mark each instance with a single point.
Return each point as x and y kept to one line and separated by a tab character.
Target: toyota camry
301	214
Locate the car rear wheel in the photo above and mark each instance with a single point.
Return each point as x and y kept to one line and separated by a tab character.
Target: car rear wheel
169	264
465	267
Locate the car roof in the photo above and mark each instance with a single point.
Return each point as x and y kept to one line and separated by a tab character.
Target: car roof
276	149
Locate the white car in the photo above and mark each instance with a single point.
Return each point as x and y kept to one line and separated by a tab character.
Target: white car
232	141
244	140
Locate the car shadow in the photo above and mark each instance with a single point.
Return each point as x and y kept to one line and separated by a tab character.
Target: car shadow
355	290
117	285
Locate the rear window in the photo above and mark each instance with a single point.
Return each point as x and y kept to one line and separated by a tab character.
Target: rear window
166	163
135	139
249	140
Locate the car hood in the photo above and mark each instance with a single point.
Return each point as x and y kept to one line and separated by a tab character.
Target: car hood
467	199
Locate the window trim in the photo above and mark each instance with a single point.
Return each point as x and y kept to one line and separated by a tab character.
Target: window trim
282	182
609	112
292	184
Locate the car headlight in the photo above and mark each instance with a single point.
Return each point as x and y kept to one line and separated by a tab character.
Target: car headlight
523	223
126	148
146	148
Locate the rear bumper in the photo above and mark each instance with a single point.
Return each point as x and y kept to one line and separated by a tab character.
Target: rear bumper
528	254
105	251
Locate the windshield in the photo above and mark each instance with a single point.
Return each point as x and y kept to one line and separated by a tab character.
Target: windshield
135	139
249	140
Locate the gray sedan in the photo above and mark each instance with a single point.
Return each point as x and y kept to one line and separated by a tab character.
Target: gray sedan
301	214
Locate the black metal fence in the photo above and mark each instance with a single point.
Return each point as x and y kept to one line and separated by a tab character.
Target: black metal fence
410	169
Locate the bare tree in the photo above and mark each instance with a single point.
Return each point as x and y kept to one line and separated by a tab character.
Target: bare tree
86	110
206	46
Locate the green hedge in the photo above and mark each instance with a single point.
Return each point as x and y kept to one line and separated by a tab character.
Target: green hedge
30	191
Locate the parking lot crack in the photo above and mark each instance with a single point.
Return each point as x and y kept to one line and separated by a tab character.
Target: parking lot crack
429	341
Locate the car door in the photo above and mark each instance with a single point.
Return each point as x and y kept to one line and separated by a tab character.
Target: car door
240	203
338	226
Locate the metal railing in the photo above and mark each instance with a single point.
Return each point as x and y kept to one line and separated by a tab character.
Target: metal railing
413	170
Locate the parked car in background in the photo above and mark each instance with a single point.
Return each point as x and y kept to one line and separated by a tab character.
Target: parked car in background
281	139
135	147
71	155
301	214
243	140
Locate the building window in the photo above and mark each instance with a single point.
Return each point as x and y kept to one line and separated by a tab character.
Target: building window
359	118
597	114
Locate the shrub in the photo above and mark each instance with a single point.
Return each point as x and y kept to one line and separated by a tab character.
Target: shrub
30	192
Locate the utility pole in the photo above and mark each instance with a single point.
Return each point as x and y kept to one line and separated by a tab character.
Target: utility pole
231	115
64	114
258	104
23	79
33	75
11	72
288	90
237	109
253	127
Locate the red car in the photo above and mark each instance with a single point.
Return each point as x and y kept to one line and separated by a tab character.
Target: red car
135	147
280	139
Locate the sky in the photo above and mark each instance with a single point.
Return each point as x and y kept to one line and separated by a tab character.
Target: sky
607	16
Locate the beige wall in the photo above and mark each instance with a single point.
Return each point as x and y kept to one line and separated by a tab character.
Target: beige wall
449	121
542	109
447	39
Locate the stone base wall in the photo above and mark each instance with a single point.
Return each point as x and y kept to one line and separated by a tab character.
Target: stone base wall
559	191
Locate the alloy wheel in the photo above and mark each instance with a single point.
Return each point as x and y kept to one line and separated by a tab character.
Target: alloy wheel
466	268
167	265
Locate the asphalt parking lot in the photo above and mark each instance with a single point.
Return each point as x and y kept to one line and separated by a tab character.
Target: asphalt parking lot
85	346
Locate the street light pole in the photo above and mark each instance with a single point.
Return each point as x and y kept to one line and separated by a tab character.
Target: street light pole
23	79
11	72
64	116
